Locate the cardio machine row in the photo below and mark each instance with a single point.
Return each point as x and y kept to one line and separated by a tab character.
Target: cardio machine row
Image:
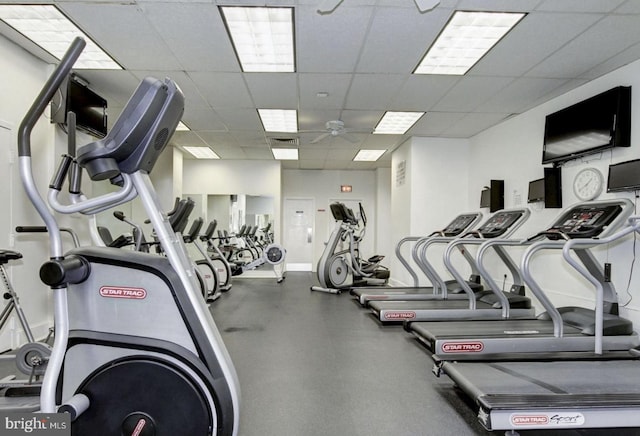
568	367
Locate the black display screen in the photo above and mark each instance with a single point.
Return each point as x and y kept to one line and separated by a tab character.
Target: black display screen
593	125
536	191
624	176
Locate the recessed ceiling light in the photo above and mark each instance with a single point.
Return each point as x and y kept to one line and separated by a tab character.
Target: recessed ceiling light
285	153
465	39
202	152
279	120
262	37
369	155
47	27
396	123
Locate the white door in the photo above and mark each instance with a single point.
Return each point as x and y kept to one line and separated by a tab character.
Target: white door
298	233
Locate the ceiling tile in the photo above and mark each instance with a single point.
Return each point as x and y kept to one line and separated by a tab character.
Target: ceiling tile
187	139
336	85
313	153
180	24
623	58
135	45
472	124
435	123
258	153
422	92
373	91
222	90
414	33
330	43
470	92
603	40
531	41
229	152
511	98
579	5
273	90
203	119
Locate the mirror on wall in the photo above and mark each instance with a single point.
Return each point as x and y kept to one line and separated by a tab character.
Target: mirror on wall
232	211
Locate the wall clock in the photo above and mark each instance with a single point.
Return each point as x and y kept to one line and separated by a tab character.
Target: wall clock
588	184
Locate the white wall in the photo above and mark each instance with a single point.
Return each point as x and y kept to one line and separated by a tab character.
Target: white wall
432	191
512	151
21	76
384	243
324	187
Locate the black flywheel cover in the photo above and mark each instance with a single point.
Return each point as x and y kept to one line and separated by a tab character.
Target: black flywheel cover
145	398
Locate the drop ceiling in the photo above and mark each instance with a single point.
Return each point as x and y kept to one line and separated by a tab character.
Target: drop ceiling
362	56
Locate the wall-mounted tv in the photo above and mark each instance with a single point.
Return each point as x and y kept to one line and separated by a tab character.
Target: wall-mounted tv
89	107
624	176
593	125
536	191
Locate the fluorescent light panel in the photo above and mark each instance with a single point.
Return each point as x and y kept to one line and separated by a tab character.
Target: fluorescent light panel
279	120
368	155
182	127
396	123
285	153
262	37
46	26
202	152
465	39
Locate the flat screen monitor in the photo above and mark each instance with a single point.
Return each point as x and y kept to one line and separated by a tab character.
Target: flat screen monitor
536	191
89	107
624	176
485	198
590	126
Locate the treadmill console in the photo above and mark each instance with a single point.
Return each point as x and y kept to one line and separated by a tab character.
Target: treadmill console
584	221
459	225
498	224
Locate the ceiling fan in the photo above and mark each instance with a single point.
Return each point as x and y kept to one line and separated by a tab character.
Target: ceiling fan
328	6
335	128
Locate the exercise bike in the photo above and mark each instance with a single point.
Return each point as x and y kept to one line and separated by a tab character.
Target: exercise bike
136	351
31	358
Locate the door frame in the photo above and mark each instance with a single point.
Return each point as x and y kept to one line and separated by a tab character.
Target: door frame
300	266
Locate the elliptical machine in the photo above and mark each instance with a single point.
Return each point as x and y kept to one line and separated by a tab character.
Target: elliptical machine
340	268
136	350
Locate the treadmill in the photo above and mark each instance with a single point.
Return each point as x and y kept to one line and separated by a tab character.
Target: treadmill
462	223
557	394
566	329
490	304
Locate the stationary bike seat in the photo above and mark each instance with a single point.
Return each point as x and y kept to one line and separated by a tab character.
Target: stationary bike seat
7	255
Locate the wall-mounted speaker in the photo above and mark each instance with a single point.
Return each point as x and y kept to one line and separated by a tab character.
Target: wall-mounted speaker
553	188
497	195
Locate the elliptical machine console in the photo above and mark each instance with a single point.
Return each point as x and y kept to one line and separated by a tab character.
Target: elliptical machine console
136	350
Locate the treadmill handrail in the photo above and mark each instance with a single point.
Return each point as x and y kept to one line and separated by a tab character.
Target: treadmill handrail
436	279
582	270
552	311
498	245
403	260
524	215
